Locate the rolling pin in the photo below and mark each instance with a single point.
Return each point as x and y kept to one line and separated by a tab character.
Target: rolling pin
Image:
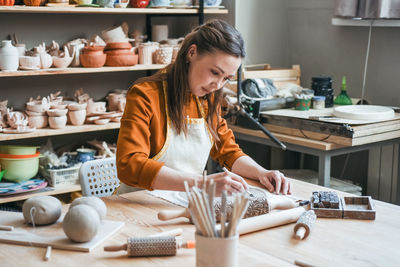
151	246
259	204
304	224
269	220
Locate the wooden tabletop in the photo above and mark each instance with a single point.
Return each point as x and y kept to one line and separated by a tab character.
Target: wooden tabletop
332	242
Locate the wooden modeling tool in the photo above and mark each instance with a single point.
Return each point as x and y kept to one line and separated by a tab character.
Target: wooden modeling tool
151	246
48	253
6	228
304	224
259	204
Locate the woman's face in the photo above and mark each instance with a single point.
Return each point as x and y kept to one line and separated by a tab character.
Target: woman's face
210	72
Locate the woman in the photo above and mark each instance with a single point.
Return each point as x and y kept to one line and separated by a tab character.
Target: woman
172	121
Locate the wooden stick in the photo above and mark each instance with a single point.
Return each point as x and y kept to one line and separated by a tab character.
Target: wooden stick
48	253
223	213
6	227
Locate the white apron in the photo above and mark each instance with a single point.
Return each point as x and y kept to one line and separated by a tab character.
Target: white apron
188	153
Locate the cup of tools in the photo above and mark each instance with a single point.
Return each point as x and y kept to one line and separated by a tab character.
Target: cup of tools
216	251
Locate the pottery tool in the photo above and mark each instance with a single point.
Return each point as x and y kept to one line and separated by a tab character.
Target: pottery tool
260	203
304	224
151	246
6	227
48	253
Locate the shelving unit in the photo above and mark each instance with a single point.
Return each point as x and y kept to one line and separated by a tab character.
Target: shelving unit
366	22
147	12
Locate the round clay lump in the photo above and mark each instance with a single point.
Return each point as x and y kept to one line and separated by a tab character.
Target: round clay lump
81	223
45	210
94	202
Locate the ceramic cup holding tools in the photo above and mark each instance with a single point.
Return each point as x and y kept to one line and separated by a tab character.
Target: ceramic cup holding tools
216	251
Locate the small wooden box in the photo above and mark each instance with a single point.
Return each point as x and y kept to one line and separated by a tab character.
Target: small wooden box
328	212
358	208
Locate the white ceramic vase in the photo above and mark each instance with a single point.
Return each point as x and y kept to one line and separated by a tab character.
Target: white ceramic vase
9	60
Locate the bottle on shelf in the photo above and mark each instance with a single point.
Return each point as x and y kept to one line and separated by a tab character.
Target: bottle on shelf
343	98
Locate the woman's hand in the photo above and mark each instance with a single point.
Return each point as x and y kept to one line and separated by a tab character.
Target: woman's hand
276	182
228	181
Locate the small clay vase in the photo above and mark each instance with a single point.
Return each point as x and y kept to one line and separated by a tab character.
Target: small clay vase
57	122
77	117
9	57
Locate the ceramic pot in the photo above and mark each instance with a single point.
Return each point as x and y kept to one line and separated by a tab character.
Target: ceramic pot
164	54
7	2
122	60
77	106
93	50
92	61
57	122
38	121
95	107
114	35
146	51
85	154
77	117
33	2
9	57
139	3
57	112
123	45
62	62
29	63
159	33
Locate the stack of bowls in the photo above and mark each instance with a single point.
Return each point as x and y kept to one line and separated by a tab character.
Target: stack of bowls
20	163
120	54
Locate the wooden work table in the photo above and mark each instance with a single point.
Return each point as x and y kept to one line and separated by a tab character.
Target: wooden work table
333	242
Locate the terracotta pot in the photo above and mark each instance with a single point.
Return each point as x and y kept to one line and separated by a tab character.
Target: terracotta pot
92	61
139	3
57	122
124	45
38	121
7	2
33	2
93	50
122	60
77	117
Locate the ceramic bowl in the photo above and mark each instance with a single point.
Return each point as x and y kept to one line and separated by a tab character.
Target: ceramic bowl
20	170
114	35
122	60
18	150
29	63
77	106
77	117
38	121
57	112
57	122
33	106
33	113
92	61
102	121
58	105
62	62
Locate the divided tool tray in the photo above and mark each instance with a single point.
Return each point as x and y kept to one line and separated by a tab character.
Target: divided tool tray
354	207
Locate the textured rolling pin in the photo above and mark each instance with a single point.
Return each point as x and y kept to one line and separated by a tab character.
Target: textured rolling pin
151	246
304	224
259	204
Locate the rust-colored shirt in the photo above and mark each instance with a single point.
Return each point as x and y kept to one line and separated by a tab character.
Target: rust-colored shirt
143	134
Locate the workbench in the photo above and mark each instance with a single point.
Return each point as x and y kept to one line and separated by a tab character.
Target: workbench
332	242
321	139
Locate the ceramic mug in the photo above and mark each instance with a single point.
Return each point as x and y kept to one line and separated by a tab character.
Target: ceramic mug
85	154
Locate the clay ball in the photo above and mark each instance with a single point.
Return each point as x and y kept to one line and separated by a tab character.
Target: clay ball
94	202
81	223
45	210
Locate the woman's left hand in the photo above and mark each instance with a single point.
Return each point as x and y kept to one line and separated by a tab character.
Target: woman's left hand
276	182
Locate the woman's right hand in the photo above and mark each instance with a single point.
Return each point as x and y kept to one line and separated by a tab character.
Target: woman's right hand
228	181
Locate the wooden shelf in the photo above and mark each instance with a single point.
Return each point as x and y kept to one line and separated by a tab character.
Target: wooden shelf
72	70
90	10
366	22
47	191
69	129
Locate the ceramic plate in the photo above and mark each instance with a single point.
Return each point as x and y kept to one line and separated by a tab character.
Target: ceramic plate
89	5
15	131
364	112
162	6
6	192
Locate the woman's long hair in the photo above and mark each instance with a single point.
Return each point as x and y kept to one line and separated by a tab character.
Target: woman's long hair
215	35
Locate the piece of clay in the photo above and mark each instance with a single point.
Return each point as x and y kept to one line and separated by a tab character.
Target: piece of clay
44	210
94	202
81	223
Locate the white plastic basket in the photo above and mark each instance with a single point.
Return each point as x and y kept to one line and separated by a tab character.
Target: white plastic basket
60	177
99	177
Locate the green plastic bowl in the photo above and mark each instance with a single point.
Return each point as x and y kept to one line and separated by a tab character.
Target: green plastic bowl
18	150
19	170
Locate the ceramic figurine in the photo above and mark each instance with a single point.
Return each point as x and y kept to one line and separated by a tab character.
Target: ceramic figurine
45	59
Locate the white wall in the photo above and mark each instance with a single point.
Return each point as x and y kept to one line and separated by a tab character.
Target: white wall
264	26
